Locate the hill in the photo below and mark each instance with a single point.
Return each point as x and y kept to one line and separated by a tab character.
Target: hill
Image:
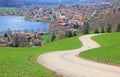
21	62
8	3
16	3
109	52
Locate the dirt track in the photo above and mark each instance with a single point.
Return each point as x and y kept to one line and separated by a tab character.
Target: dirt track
68	63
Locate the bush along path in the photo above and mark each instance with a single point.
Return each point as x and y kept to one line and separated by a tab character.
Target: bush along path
69	63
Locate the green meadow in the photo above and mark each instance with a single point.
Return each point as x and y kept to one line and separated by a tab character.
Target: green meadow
21	62
8	9
109	52
46	38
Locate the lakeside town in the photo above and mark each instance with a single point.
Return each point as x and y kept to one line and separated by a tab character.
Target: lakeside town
69	18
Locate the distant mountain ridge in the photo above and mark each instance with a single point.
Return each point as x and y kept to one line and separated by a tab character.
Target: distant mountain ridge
14	3
7	3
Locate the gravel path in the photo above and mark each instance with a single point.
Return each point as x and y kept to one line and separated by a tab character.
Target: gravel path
69	64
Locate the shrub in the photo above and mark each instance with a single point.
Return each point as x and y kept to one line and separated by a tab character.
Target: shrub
102	30
68	34
109	29
53	37
61	35
86	27
96	31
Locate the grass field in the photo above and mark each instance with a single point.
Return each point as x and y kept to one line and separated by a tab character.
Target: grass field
46	38
52	6
21	62
8	9
109	52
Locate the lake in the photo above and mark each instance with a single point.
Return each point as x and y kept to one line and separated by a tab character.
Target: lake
18	23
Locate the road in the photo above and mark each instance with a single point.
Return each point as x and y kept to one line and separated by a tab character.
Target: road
69	64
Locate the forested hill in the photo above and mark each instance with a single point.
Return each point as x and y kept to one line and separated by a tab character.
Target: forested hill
15	3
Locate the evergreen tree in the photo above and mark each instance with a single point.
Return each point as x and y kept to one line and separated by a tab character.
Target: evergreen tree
96	31
102	30
53	37
5	35
118	28
76	26
16	41
86	27
109	29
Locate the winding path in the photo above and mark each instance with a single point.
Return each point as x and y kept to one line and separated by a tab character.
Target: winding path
69	64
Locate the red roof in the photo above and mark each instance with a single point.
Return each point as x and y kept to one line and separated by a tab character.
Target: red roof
60	21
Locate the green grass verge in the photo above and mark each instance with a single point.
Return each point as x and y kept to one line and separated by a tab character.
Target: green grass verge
21	62
109	52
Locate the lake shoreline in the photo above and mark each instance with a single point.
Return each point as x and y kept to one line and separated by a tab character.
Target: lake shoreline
18	22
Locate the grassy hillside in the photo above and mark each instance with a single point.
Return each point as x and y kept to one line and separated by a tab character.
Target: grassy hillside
21	62
109	52
8	9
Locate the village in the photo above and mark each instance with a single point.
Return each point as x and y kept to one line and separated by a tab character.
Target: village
66	15
73	17
60	17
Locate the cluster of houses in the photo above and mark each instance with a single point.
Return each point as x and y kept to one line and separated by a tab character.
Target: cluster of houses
62	15
21	40
66	15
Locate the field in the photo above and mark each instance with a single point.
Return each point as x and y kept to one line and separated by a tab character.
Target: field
46	38
21	62
52	6
109	52
8	9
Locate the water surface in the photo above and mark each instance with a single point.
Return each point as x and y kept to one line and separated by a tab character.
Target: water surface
16	23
